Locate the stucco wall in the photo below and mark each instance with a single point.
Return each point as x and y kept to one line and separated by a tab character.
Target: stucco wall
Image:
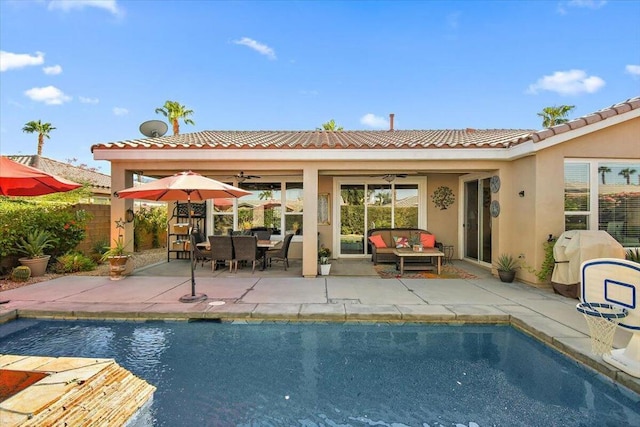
443	223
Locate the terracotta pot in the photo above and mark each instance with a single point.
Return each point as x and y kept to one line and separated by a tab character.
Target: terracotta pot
117	267
38	266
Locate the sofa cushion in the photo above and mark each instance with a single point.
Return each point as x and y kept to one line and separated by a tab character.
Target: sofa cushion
401	241
427	240
377	241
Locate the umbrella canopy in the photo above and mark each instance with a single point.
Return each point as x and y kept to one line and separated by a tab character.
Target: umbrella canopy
19	180
184	186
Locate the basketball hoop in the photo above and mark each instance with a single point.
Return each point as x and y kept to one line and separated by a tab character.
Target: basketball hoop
602	319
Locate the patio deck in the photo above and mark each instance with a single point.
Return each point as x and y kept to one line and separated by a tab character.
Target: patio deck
353	292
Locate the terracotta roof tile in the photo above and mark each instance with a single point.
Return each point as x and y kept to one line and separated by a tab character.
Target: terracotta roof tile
97	180
379	140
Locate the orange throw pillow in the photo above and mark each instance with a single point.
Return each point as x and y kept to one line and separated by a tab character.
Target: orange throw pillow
427	240
378	241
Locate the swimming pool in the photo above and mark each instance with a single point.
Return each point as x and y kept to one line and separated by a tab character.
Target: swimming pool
301	374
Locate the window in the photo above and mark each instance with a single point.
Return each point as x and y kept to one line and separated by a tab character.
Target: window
293	211
604	195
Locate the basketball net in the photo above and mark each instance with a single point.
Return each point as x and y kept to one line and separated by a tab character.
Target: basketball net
602	320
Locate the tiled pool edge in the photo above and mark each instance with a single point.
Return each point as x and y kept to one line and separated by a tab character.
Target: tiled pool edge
570	342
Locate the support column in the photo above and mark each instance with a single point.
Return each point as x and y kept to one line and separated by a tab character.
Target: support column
310	222
121	179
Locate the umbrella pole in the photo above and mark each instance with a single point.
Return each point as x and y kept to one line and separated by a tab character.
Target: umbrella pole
193	297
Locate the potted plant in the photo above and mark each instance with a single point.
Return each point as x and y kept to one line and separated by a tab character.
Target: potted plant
507	266
415	243
118	258
33	246
323	255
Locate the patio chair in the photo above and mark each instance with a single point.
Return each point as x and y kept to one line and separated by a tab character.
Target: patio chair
199	254
262	234
281	253
245	248
221	250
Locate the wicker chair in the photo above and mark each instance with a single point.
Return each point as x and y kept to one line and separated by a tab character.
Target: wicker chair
281	253
245	248
221	250
199	254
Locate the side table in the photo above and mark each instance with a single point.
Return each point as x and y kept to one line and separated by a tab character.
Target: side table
448	254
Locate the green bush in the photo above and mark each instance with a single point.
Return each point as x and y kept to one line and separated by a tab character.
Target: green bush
73	262
153	221
18	218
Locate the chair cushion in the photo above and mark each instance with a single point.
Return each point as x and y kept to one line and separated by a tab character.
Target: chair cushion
427	240
378	241
401	241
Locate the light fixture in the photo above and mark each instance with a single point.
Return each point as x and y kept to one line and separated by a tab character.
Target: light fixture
389	177
521	193
129	215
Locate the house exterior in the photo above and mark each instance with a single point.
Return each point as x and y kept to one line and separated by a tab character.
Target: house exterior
99	183
484	192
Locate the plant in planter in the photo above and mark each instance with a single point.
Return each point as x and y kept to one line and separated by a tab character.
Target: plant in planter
323	255
507	266
33	246
118	258
415	243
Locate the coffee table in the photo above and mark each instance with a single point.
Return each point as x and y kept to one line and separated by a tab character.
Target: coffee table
402	253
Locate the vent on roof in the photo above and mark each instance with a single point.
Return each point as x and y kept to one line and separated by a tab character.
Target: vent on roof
391	116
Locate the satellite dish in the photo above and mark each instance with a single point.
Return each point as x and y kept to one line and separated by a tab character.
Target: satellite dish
153	128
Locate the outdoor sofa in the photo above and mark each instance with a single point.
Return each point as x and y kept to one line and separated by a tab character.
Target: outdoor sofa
390	237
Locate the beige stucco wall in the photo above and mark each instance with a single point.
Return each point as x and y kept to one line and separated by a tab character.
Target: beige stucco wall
443	223
531	219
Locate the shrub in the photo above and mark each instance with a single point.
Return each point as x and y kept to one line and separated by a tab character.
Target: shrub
153	221
19	218
73	262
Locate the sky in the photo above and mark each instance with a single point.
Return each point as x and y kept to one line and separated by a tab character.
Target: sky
98	69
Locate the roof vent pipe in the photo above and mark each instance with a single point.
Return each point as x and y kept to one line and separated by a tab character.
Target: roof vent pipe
391	115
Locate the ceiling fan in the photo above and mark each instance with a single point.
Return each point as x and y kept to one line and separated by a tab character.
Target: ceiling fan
241	177
389	177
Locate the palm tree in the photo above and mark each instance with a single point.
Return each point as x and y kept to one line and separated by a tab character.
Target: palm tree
552	116
603	170
42	129
331	126
626	173
175	111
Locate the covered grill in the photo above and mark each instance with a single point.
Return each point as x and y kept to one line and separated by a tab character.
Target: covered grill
572	249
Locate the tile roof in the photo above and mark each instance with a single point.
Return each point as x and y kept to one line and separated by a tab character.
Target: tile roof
379	140
100	183
397	139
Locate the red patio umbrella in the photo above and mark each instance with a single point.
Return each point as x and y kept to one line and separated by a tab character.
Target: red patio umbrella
184	186
20	180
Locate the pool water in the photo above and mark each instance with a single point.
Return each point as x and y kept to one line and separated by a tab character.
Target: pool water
301	374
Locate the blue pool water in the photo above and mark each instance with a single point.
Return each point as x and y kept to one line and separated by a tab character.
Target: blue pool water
211	374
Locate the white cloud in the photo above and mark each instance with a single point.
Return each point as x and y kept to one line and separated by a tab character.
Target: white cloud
86	100
590	4
67	5
53	70
572	82
10	60
50	95
374	121
262	49
119	111
453	20
634	70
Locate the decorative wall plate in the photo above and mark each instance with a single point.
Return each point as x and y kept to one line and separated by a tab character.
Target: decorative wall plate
494	183
494	208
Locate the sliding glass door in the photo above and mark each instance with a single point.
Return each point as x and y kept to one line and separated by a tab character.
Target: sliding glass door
477	220
364	206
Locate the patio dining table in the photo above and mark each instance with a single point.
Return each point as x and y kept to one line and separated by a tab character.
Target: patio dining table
263	247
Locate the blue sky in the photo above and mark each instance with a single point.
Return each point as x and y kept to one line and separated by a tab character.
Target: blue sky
97	69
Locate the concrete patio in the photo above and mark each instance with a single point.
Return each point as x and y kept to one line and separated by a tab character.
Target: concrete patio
352	293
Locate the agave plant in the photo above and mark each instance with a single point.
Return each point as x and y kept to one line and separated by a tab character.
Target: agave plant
633	255
35	242
506	262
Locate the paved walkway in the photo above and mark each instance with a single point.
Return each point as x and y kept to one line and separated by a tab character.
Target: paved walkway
153	293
